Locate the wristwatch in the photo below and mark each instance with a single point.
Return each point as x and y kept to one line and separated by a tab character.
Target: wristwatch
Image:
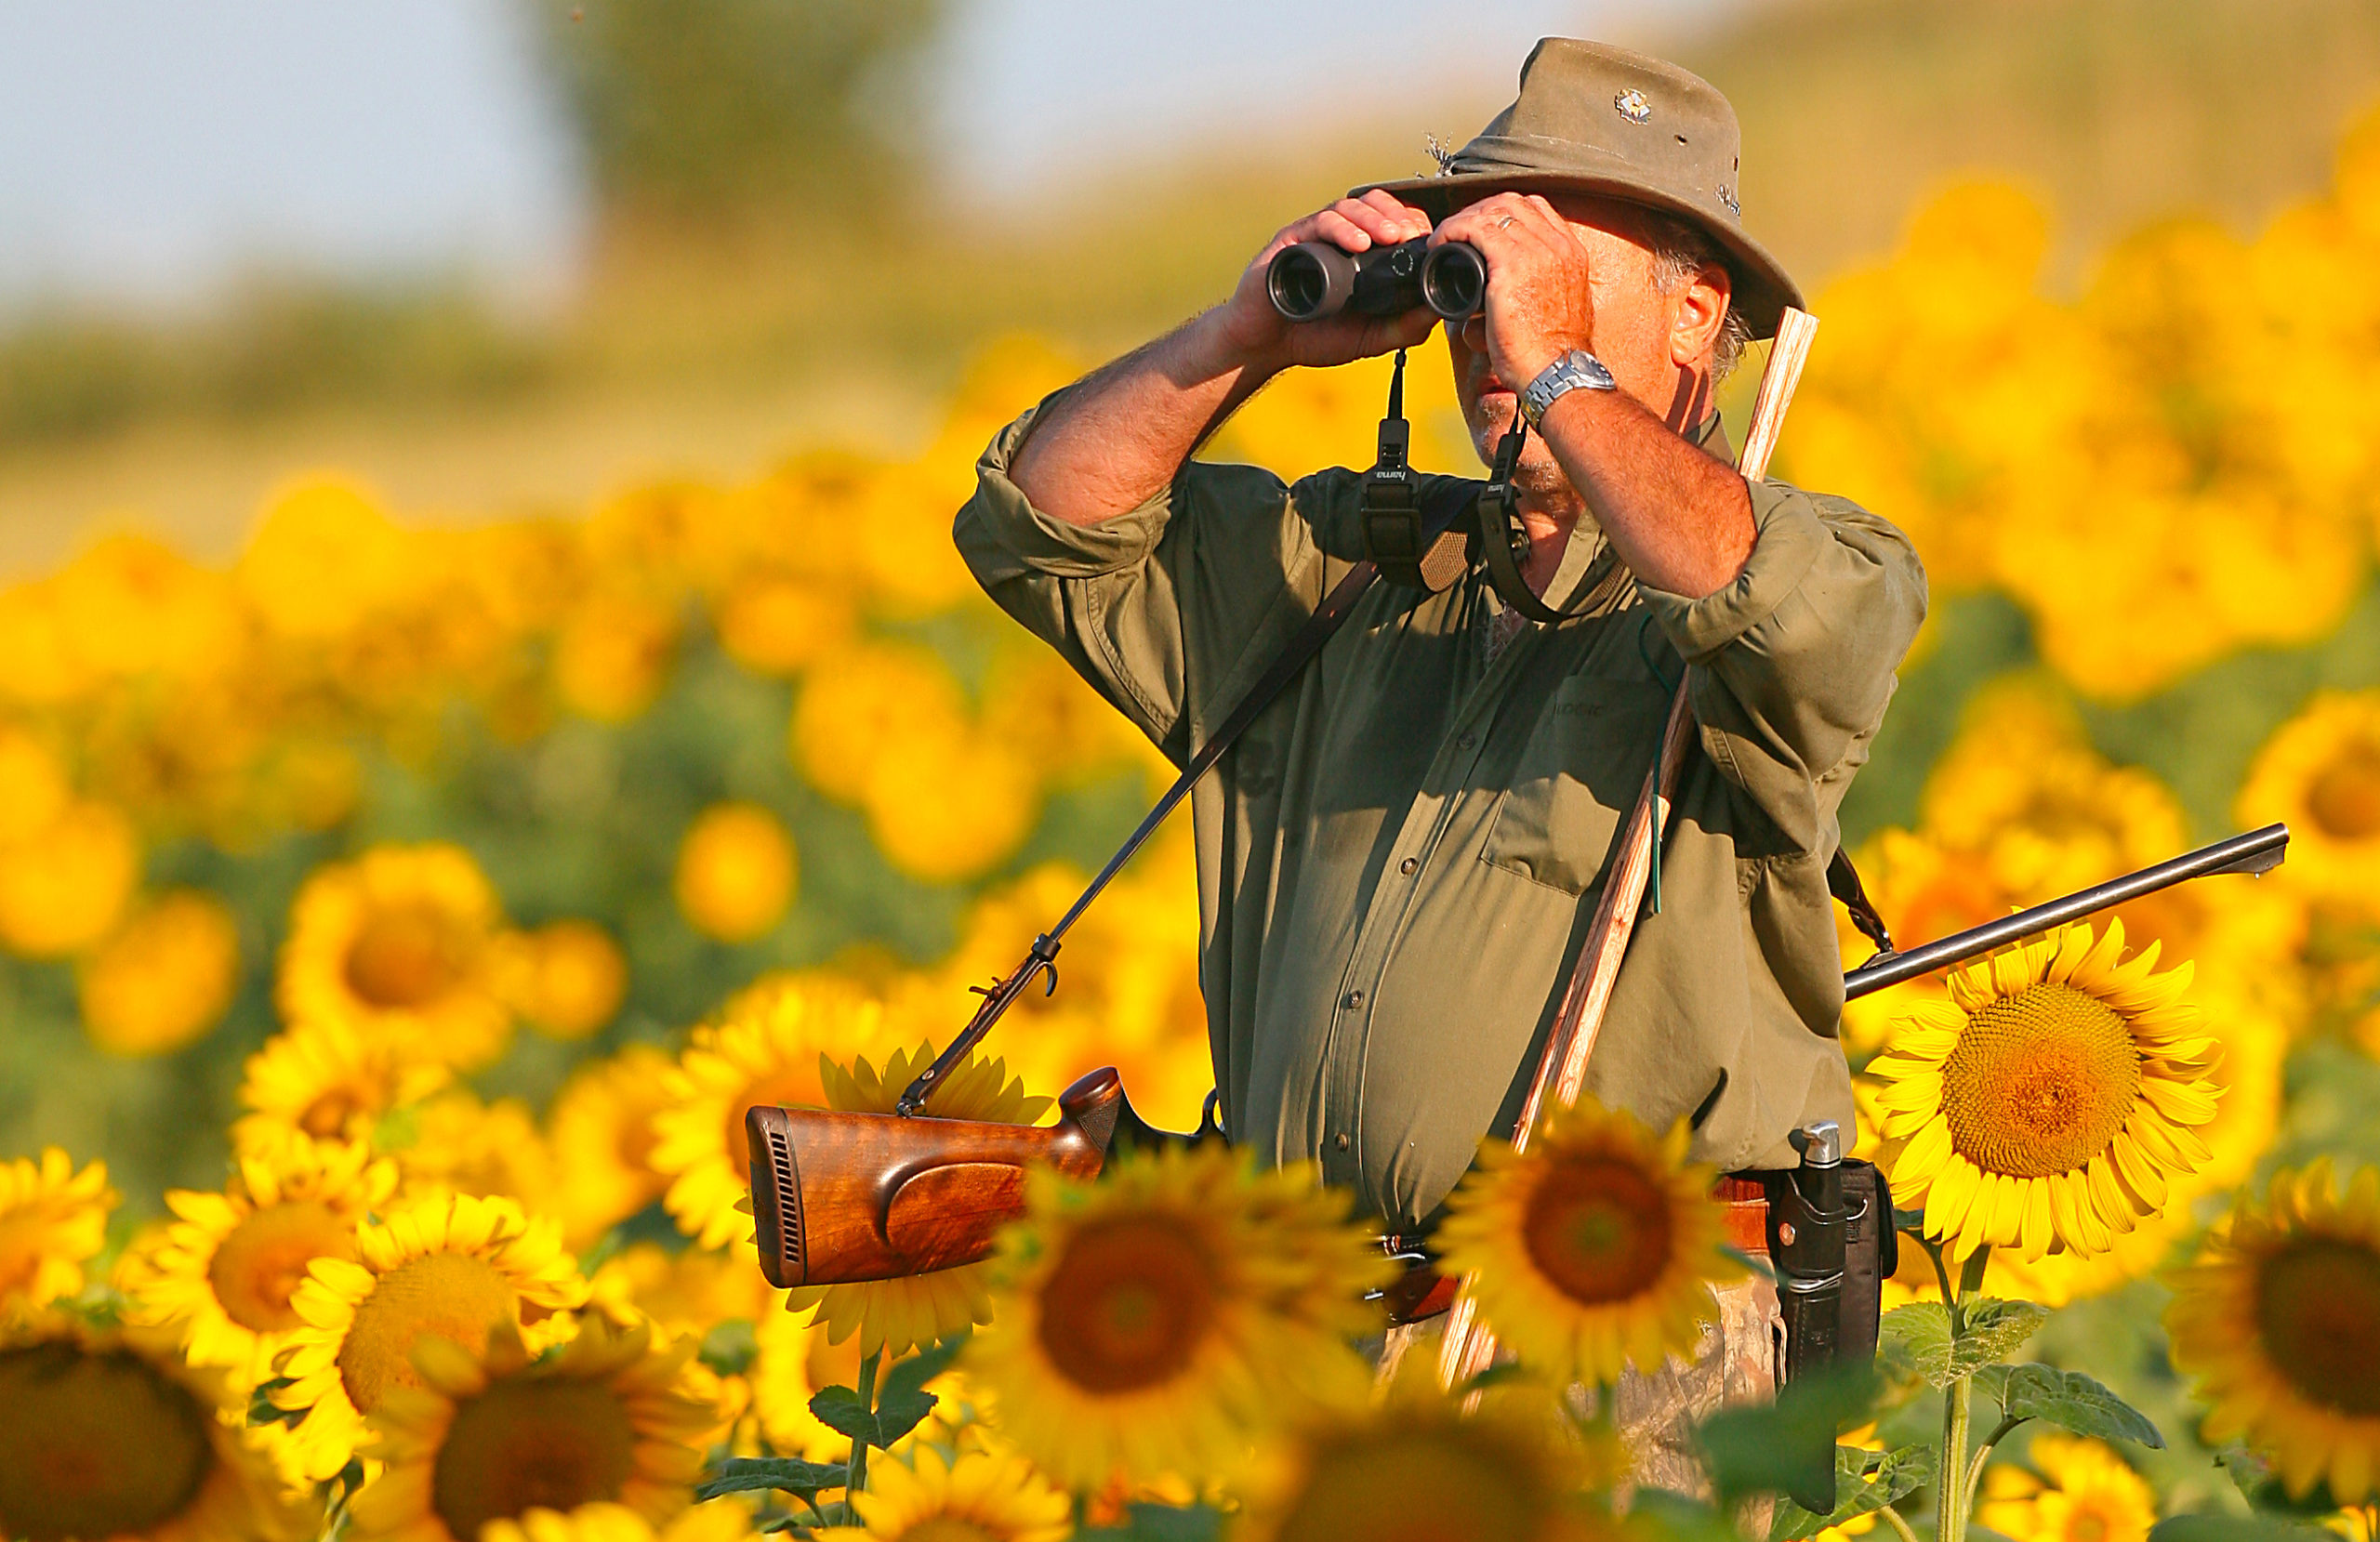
1577	369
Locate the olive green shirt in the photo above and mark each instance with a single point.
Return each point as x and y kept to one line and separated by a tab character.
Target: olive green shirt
1398	859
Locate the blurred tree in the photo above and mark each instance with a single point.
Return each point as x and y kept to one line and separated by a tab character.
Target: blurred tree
696	110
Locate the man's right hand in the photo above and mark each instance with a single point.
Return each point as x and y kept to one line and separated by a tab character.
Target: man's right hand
1122	433
1248	327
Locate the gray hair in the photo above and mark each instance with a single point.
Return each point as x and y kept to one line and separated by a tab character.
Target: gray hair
1680	251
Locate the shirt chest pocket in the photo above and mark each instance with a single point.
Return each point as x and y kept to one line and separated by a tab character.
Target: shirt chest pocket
1578	776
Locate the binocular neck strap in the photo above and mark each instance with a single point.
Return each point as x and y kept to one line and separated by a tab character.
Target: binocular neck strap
1504	540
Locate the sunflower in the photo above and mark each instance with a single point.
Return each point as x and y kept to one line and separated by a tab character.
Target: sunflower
399	943
567	979
1417	1467
728	1523
2278	1318
229	1264
456	1142
2320	772
454	1265
492	1435
1148	1323
63	888
764	1049
736	871
53	1220
109	1434
979	1497
1593	1248
329	1081
2052	1099
600	1129
165	978
2085	1493
895	1315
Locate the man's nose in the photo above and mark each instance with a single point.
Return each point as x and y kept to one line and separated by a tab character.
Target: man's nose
1475	331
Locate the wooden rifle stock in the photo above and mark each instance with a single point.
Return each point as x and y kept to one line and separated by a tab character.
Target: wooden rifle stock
838	1197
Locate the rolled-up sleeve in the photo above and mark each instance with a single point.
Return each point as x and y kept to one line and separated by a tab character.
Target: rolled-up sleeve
1794	660
1151	605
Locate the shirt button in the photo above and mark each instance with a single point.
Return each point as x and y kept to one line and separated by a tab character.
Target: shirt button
1408	865
1352	1000
1466	741
1340	1141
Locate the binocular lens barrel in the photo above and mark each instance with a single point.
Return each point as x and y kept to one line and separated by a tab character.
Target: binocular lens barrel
1316	279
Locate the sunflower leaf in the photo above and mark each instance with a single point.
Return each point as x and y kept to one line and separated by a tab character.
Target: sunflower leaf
846	1413
2232	1528
1865	1482
1160	1523
2070	1399
898	1411
744	1474
1788	1446
1918	1335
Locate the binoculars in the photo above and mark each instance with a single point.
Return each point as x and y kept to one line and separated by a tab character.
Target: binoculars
1315	279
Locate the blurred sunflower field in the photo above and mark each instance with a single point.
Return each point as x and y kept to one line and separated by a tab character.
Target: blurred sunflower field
400	919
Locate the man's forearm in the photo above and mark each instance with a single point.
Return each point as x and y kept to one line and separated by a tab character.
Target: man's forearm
1120	436
1679	518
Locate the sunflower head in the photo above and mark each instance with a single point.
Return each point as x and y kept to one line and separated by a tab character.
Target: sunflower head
2321	774
230	1263
1417	1467
2278	1318
494	1434
599	1128
399	943
765	1048
1593	1248
895	1315
53	1220
2053	1097
109	1434
455	1267
1144	1323
2081	1492
978	1497
327	1080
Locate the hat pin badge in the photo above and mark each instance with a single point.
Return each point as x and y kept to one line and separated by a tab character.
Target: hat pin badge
1630	104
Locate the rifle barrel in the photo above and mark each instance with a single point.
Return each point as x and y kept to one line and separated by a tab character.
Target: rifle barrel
2259	852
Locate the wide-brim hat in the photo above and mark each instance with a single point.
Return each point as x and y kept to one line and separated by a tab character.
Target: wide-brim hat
1596	119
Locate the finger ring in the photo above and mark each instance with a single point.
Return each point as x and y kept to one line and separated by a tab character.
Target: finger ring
1505	223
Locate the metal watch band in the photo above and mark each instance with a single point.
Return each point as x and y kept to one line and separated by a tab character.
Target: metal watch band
1577	369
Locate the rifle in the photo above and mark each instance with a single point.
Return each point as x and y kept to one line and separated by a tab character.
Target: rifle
840	1197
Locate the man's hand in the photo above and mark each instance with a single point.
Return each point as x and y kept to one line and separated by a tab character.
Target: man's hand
1249	327
1539	304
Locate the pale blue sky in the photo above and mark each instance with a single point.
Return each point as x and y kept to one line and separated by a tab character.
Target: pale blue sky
153	149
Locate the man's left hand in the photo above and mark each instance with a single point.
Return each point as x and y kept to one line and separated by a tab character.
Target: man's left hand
1539	304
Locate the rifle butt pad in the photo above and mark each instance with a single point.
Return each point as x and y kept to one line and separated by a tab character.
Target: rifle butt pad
841	1197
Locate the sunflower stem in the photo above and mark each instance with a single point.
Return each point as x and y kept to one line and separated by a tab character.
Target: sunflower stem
1900	1523
1983	1455
855	1475
1950	1509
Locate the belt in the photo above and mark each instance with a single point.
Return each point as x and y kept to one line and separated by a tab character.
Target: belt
1421	1292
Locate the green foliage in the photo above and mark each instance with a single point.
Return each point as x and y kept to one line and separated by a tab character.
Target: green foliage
804	1479
1160	1523
703	108
1918	1335
2232	1528
2068	1399
1865	1482
1788	1446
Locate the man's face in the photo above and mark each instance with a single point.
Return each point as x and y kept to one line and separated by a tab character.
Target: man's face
1636	326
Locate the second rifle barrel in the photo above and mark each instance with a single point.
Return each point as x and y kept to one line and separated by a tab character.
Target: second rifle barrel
2257	851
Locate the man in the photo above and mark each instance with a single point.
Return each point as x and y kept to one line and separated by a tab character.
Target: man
1398	861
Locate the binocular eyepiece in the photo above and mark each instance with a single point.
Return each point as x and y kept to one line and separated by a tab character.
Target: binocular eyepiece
1315	279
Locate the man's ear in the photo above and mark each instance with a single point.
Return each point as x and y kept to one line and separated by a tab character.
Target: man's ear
1698	312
